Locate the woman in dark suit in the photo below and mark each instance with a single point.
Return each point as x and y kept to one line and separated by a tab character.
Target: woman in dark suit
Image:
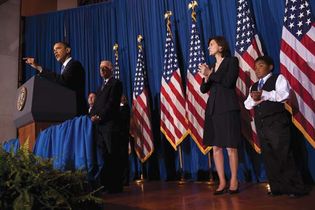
222	117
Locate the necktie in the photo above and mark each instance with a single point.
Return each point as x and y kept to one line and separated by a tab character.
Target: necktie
103	85
260	84
62	68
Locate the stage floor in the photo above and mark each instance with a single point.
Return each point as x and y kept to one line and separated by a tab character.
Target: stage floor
159	195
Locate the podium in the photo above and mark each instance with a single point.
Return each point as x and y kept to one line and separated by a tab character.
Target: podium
41	103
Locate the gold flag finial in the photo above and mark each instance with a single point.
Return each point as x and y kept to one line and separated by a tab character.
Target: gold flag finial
167	16
115	47
139	39
192	6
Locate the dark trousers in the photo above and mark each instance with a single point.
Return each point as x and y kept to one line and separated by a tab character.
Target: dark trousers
124	155
111	176
112	173
274	133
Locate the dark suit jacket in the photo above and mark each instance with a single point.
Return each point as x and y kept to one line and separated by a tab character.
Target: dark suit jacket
222	98
221	85
73	78
107	106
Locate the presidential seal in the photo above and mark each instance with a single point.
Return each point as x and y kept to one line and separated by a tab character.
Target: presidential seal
21	99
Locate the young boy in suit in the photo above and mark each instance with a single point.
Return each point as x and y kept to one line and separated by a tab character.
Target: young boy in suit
273	126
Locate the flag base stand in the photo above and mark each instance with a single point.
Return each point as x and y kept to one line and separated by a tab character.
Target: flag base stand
210	182
141	180
181	181
181	163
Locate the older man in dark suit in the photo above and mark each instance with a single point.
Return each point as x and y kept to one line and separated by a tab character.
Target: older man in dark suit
72	74
105	117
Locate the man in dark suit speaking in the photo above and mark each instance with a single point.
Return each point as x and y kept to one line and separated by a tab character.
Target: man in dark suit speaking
105	117
72	74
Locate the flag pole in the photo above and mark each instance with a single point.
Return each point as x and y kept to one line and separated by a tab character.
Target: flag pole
181	166
141	180
210	181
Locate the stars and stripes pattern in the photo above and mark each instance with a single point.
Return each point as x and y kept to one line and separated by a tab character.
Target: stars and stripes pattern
173	114
140	127
196	101
297	64
116	67
247	49
116	74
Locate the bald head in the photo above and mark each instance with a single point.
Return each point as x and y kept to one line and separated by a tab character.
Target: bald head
106	69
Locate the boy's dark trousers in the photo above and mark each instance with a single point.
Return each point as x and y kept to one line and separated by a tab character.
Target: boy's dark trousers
274	133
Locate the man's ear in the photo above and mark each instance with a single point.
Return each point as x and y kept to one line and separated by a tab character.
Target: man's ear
68	50
270	68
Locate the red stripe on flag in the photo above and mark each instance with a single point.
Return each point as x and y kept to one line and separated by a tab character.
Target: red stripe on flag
308	43
298	88
306	125
168	134
196	95
298	60
198	78
200	120
245	77
249	59
255	46
193	111
178	95
178	114
179	92
145	127
171	121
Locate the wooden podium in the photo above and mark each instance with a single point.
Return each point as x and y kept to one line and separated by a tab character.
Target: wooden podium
39	104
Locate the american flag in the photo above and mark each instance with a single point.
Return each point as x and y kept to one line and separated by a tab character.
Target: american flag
297	64
174	124
117	76
247	49
116	66
140	127
196	101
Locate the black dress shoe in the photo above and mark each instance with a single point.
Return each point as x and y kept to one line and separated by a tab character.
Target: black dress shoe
220	192
237	190
274	193
297	195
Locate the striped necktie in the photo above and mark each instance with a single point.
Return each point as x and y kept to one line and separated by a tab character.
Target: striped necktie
260	84
62	69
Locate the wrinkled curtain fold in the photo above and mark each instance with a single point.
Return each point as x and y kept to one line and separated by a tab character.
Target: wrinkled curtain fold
70	146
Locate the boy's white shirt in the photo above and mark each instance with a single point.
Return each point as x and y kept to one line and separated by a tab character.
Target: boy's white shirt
280	94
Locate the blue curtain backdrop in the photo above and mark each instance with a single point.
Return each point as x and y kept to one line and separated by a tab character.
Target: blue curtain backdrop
92	31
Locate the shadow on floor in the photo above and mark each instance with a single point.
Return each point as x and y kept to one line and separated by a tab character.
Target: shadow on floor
113	206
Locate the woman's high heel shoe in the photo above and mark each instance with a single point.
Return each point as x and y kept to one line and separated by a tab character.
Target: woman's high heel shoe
234	191
220	192
237	190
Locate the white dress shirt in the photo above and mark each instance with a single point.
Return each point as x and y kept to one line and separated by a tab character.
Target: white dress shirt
280	94
66	62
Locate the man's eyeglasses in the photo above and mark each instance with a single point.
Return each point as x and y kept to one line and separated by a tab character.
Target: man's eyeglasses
105	68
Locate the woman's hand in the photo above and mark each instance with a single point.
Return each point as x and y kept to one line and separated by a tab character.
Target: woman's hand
205	70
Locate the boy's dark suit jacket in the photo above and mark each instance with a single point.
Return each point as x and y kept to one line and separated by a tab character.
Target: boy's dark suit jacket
73	77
